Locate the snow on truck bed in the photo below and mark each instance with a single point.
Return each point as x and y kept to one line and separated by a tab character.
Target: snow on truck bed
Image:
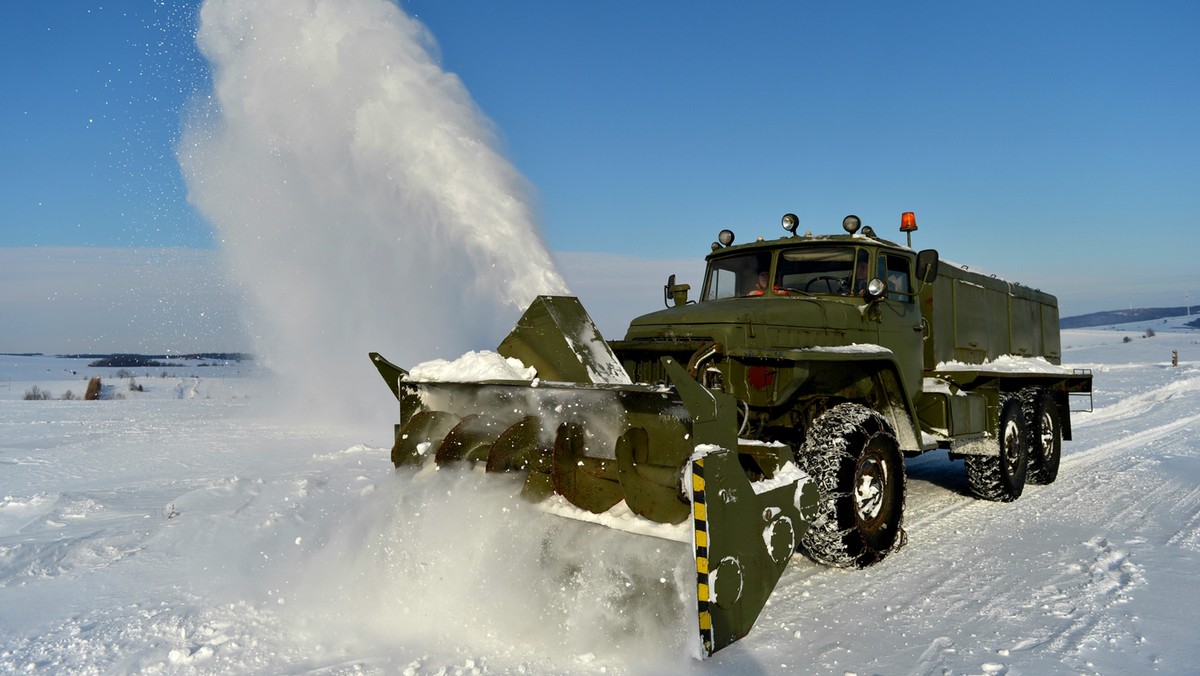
1006	364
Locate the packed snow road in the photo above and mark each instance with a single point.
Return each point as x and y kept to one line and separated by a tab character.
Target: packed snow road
1089	575
181	530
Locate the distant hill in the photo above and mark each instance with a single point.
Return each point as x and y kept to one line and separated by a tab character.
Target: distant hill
1124	317
156	360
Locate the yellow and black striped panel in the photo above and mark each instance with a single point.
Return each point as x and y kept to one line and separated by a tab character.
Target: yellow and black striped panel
700	530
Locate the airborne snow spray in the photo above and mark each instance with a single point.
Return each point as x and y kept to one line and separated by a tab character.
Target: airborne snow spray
357	193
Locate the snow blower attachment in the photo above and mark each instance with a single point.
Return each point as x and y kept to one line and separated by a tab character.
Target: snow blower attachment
583	432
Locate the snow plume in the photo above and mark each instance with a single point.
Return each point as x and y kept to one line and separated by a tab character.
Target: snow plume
357	192
451	557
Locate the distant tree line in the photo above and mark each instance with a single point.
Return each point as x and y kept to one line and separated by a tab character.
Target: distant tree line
157	361
127	361
1122	317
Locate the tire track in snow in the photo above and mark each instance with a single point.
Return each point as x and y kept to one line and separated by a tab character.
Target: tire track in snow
945	503
1135	405
1133	439
1188	537
1079	597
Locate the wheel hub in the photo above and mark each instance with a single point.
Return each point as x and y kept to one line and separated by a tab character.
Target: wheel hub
869	489
1047	430
1012	440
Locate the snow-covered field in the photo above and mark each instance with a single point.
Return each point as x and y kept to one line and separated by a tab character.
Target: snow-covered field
182	528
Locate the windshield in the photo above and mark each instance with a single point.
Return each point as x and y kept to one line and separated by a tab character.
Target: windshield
813	270
823	270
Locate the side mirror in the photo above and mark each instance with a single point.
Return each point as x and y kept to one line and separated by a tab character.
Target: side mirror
927	265
677	293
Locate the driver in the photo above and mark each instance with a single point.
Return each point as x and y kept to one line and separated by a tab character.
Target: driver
764	278
858	285
764	281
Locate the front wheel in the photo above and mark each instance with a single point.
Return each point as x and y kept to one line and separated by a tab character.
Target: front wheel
852	454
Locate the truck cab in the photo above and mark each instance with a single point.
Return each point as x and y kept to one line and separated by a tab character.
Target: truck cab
789	326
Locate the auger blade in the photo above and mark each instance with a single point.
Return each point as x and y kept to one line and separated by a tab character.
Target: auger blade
587	482
471	439
421	435
651	491
518	447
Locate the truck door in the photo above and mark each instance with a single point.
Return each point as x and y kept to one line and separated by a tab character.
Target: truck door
900	326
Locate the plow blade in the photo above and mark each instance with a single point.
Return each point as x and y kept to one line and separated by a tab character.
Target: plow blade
743	540
669	453
744	533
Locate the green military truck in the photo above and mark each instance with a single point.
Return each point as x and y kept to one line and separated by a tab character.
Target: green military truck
771	415
853	351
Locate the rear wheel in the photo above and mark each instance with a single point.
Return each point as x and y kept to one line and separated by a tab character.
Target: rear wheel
1001	477
1045	436
852	454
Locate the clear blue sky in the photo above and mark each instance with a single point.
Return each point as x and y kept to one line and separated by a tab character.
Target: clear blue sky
1046	142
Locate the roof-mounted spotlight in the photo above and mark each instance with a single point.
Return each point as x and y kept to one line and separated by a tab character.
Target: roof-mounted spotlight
725	237
716	246
790	223
851	224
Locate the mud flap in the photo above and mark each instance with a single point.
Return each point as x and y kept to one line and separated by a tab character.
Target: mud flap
744	533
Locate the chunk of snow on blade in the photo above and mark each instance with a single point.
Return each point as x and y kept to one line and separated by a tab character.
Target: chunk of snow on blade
472	367
703	450
787	475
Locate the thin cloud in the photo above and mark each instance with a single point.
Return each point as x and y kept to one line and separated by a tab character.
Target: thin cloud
72	300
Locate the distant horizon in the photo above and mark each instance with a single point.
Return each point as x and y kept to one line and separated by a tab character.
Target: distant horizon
102	355
251	355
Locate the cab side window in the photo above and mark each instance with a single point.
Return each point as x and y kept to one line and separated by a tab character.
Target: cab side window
735	276
895	271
